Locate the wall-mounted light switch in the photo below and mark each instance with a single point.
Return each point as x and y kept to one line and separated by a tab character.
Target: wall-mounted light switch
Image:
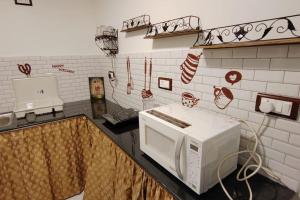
284	106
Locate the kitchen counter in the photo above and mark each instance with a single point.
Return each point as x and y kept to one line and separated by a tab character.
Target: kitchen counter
127	137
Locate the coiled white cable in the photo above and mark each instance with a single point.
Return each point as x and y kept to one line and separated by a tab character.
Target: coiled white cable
253	155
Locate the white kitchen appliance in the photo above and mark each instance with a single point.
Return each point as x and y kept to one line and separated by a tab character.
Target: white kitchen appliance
190	143
37	95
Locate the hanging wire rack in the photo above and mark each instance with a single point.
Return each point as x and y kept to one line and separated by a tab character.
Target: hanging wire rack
107	40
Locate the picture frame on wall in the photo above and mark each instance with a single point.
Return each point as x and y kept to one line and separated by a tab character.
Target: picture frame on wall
97	90
23	2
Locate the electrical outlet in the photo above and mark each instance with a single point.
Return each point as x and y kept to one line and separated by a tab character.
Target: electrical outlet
284	106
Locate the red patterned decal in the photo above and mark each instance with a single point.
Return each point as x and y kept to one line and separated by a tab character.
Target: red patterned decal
233	77
189	68
223	97
66	70
188	100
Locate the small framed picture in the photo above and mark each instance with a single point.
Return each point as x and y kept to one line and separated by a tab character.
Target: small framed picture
97	89
24	2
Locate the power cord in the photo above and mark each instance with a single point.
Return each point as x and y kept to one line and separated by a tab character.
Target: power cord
253	155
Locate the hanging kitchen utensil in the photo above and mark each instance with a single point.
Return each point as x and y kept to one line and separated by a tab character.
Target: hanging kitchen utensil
189	68
131	80
129	84
145	77
25	69
147	93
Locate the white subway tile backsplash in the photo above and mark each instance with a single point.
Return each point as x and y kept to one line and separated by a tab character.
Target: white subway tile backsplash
241	114
247	74
294	51
217	53
283	89
295	139
247	52
271	153
292	77
211	80
241	94
204	88
246	105
266	141
280	51
253	85
292	162
285	170
286	148
276	134
279	136
269	76
232	63
292	64
256	64
208	62
288	125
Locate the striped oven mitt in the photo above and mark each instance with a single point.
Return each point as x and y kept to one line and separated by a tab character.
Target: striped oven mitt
189	68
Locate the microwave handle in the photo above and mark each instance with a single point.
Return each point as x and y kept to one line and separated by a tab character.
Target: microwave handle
177	156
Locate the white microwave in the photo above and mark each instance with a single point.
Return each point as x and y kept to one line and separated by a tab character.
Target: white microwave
190	143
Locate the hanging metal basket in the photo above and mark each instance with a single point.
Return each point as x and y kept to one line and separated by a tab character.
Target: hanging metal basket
107	40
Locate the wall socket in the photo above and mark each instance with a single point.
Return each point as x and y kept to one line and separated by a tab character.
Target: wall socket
284	106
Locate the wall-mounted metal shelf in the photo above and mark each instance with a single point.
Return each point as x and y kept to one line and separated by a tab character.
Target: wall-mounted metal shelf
251	44
175	27
137	23
276	31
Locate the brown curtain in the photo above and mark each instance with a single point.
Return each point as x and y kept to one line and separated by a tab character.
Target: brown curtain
58	160
44	162
113	175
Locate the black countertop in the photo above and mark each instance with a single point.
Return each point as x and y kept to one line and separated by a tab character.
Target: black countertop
127	137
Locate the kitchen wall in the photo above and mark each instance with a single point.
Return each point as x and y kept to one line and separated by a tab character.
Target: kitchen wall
48	28
212	14
265	69
72	86
62	32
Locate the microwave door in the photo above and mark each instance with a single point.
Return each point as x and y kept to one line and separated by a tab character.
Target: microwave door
164	144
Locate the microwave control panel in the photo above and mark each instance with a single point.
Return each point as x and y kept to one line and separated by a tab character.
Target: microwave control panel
194	152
